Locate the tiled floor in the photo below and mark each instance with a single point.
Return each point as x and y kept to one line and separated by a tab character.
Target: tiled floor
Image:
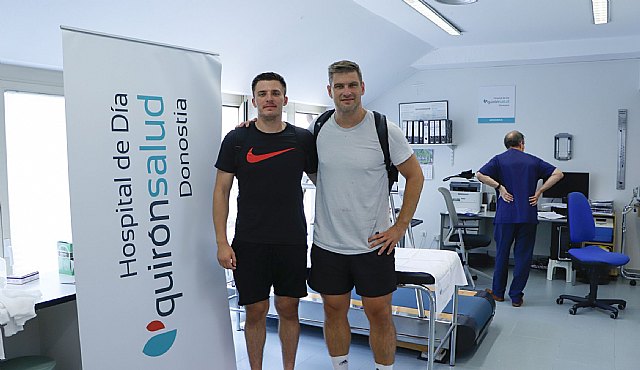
538	335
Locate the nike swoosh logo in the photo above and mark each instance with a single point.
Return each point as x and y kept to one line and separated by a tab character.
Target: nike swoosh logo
255	158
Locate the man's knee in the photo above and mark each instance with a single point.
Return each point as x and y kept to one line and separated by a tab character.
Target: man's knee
287	308
378	310
336	306
257	311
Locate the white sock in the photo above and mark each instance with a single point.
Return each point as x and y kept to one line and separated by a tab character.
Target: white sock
384	367
340	362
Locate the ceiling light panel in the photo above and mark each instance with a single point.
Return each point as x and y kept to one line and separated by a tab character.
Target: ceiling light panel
600	11
432	15
456	2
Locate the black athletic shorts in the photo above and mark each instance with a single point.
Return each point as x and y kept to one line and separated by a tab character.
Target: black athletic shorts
335	274
261	266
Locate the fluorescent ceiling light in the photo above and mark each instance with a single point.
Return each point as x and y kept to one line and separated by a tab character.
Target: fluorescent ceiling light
423	8
600	11
456	2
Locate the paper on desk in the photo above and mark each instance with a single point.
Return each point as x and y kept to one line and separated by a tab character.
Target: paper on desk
554	205
550	215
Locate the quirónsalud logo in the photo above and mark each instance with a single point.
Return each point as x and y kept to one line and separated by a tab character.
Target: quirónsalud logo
160	343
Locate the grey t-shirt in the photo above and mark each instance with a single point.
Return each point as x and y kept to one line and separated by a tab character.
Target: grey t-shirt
352	196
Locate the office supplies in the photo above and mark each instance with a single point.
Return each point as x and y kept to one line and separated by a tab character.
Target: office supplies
604	207
22	277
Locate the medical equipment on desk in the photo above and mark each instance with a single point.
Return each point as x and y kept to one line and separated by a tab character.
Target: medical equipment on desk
466	192
633	205
466	195
468	174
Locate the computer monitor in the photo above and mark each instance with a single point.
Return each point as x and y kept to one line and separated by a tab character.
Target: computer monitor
572	181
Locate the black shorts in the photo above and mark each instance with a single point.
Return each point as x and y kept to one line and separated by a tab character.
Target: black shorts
335	274
261	266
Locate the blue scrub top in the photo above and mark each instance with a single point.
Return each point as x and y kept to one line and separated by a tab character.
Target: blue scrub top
519	173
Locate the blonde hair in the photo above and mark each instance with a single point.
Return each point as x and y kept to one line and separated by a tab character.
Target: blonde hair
344	66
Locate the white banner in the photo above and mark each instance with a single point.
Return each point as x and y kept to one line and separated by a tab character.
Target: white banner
143	129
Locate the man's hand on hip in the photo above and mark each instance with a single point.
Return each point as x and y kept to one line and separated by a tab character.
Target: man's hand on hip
387	240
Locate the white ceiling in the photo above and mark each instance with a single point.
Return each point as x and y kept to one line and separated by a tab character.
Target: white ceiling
299	38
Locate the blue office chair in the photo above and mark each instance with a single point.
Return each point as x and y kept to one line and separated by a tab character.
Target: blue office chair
582	228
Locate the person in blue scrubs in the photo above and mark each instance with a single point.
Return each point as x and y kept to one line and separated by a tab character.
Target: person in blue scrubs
515	174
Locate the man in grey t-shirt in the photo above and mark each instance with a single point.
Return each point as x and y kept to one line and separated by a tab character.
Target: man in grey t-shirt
353	237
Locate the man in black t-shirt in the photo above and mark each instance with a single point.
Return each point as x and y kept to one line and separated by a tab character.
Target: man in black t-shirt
270	243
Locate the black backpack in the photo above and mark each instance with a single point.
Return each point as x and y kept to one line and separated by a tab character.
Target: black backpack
383	137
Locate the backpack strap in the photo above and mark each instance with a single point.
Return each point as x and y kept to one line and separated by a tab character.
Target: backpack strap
320	121
383	138
240	138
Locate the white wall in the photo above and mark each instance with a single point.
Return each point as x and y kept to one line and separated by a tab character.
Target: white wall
579	98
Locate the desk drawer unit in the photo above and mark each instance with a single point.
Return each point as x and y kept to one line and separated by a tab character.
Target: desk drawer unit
604	229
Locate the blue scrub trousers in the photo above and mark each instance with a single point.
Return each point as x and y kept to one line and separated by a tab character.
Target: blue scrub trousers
523	237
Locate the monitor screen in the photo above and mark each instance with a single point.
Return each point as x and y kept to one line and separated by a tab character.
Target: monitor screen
572	181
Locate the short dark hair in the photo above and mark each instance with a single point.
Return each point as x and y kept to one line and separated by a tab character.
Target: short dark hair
513	139
268	76
344	66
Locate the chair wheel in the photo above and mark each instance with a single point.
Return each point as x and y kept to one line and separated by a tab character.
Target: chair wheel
632	282
613	315
573	310
559	300
621	307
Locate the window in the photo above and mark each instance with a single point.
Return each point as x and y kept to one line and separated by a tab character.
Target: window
304	114
37	178
230	119
232	114
304	120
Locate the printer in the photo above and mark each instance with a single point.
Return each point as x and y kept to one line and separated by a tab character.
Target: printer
467	196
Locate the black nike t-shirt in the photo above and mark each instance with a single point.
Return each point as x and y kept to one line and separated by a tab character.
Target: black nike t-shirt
269	169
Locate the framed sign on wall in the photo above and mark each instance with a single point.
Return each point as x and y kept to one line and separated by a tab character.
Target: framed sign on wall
423	111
